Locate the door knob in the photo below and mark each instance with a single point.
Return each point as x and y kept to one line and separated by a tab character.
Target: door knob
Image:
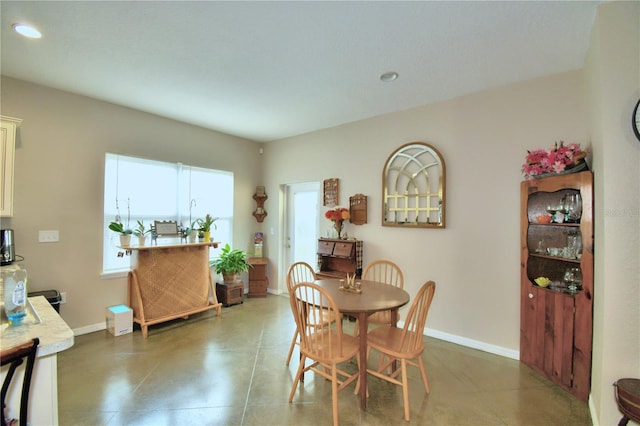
530	295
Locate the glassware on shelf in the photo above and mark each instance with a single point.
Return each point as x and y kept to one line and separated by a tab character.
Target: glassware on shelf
576	213
573	279
574	245
572	206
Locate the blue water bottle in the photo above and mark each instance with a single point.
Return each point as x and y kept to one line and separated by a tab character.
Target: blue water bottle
15	295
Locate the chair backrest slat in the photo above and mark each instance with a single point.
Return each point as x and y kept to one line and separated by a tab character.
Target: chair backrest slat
299	272
15	356
384	271
318	322
413	329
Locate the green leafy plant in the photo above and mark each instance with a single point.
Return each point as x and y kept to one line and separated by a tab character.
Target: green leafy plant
231	261
189	229
205	224
140	230
119	228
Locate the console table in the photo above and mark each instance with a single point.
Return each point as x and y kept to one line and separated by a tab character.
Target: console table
170	281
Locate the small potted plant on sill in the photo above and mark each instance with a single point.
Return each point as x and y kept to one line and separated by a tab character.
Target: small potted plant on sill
191	232
141	232
204	226
125	233
230	263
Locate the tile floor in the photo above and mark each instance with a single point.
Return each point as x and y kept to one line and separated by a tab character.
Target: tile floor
230	370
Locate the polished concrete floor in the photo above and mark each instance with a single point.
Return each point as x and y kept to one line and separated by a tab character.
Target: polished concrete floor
230	370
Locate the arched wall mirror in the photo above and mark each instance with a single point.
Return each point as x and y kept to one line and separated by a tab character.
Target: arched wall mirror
413	187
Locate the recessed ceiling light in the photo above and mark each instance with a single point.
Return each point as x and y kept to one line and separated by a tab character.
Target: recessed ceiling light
26	31
389	76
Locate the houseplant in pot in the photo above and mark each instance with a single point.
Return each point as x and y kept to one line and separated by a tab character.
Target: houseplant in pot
191	232
125	233
141	232
204	226
230	263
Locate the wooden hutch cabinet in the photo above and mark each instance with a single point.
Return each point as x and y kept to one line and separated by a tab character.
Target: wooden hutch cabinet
556	324
337	258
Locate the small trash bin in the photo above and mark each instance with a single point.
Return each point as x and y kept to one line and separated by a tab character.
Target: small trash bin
53	296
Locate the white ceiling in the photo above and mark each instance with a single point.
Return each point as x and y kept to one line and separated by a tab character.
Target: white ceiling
268	70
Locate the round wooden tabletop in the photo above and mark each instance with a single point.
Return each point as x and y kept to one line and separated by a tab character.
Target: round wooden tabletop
374	297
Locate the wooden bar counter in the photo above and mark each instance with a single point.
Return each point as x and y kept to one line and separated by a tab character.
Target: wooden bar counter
170	281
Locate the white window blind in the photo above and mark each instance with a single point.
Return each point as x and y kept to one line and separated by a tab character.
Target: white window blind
147	190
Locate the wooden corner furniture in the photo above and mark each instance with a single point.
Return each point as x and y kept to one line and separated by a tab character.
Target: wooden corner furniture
337	258
170	281
258	279
556	323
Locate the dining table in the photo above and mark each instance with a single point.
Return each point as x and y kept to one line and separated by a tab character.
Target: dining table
373	297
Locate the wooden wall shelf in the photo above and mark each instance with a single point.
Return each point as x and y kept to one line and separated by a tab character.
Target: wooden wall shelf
260	212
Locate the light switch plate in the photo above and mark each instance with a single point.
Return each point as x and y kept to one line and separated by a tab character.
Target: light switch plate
48	236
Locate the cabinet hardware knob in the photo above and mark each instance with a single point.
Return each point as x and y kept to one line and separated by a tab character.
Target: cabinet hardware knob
530	295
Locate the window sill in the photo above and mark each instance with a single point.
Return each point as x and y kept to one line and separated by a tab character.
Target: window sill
114	275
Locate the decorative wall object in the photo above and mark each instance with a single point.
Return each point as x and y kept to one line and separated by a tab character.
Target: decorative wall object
330	194
358	209
260	198
413	187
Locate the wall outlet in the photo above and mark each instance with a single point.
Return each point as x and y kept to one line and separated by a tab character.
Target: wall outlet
48	236
63	297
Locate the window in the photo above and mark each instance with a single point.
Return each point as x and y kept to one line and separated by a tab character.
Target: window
146	190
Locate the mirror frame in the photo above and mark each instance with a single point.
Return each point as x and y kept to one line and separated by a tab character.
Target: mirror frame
416	166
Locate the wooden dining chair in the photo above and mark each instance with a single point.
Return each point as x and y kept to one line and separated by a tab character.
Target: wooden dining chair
383	271
327	346
15	356
298	272
403	344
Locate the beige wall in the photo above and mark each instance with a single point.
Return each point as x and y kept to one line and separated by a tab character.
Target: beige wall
612	73
59	173
484	139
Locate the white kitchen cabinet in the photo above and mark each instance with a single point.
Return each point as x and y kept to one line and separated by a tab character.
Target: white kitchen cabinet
8	127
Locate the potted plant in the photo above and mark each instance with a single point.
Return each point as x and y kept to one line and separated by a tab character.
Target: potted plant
191	232
230	263
141	232
125	233
204	226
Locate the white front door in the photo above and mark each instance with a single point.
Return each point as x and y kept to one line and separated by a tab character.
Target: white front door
301	224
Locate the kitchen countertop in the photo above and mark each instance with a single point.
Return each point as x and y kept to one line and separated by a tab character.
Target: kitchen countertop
54	334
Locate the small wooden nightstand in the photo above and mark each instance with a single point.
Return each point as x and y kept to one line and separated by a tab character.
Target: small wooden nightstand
258	280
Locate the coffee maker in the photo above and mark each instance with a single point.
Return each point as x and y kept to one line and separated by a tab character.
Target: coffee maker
7	247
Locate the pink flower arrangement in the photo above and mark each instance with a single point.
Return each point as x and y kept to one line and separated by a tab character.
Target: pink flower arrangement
555	160
337	214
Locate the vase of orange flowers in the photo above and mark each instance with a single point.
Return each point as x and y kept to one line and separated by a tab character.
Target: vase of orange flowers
338	215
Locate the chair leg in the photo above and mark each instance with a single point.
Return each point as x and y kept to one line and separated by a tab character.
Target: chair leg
424	374
293	344
334	393
405	389
623	421
297	379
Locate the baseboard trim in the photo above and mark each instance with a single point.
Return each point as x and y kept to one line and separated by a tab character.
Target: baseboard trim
90	328
470	343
